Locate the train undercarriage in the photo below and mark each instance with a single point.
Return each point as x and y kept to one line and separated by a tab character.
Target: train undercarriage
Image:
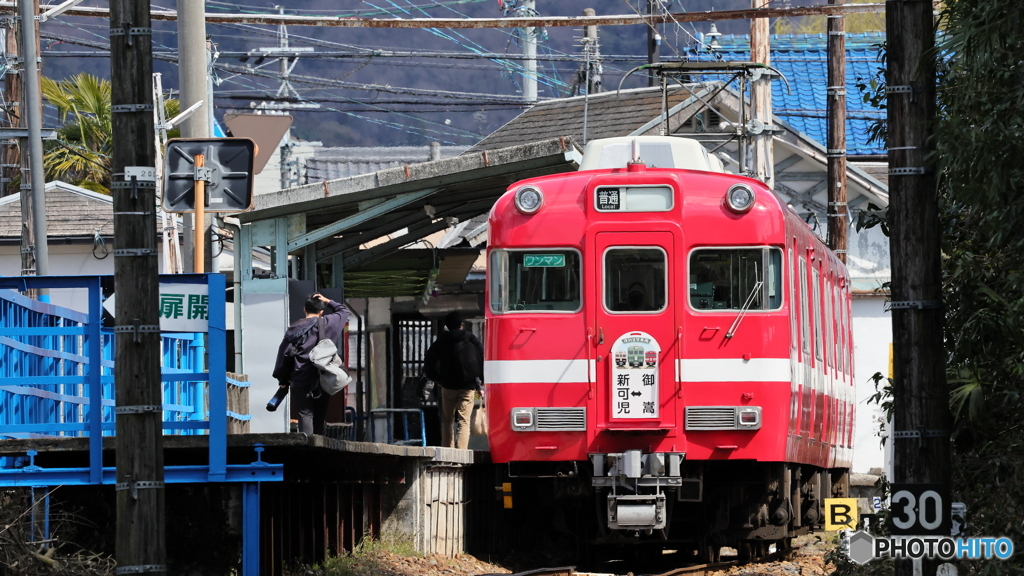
663	501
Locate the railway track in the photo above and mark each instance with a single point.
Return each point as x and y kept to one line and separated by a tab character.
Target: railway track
693	570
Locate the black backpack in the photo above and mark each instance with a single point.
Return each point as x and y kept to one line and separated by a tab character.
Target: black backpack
467	358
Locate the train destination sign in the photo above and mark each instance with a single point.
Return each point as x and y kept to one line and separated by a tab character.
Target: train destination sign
544	261
634	380
608	199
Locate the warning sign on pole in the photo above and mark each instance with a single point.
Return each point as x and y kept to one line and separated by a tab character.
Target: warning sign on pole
840	513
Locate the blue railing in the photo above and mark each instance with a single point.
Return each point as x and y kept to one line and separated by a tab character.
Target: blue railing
56	379
45	370
56	365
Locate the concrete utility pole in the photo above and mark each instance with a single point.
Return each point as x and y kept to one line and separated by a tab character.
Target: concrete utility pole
284	90
761	101
653	42
192	78
592	48
921	419
12	153
530	52
836	147
140	546
32	110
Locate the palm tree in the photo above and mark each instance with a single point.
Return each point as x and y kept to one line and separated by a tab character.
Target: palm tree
82	152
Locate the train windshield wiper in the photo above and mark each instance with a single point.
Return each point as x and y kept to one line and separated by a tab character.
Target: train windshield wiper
743	310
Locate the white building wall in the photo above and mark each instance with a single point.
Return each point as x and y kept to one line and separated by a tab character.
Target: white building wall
872	339
65	260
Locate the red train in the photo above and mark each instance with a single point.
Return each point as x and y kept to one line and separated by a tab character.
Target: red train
673	341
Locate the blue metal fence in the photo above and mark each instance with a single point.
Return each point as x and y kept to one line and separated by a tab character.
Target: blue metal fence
45	370
56	365
57	380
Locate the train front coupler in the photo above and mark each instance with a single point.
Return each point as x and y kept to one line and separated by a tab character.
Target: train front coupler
637	484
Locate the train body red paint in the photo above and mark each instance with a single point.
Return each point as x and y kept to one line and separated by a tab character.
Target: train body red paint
639	326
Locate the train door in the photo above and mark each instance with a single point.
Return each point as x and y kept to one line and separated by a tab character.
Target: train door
634	332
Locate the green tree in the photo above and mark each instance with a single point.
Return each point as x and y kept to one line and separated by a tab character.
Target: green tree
979	151
81	153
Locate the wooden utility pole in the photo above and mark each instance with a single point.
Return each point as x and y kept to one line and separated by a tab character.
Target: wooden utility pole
761	101
653	42
921	419
140	460
836	148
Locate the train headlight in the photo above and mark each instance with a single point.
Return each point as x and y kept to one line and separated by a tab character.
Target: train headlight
740	197
749	417
529	199
522	419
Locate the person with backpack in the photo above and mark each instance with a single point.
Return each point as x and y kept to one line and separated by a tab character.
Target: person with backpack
455	361
294	369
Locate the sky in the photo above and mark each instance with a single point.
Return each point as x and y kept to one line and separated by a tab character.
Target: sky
345	79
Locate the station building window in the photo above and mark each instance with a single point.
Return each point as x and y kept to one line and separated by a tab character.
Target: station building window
535	280
736	278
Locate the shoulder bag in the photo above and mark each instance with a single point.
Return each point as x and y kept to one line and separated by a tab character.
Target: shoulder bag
324	356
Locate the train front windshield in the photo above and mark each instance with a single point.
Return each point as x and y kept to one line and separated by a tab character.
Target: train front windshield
728	279
542	280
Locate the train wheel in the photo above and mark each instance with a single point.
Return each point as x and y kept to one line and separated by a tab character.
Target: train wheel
745	550
785	546
709	553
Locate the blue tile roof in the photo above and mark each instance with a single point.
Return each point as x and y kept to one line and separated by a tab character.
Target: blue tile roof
803	60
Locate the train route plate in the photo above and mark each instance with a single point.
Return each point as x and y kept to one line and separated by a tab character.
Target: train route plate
634	378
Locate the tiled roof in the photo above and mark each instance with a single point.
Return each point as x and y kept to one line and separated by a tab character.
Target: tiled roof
70	212
803	60
342	162
609	114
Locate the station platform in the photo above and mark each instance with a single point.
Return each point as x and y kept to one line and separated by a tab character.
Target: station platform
333	494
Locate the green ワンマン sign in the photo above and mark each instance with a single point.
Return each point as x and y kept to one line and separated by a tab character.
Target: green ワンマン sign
544	261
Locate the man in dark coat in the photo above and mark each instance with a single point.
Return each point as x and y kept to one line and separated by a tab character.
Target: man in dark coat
455	361
297	371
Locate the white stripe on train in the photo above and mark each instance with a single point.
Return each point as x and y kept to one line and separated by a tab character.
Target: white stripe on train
691	370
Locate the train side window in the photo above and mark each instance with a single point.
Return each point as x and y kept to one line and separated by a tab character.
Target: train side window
736	278
535	280
497	272
635	280
817	315
830	357
793	338
804	314
840	330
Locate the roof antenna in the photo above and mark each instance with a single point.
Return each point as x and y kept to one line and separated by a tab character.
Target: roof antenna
636	164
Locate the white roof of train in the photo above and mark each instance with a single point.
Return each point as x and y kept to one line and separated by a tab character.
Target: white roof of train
655	151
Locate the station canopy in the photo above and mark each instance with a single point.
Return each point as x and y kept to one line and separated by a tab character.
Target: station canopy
360	223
